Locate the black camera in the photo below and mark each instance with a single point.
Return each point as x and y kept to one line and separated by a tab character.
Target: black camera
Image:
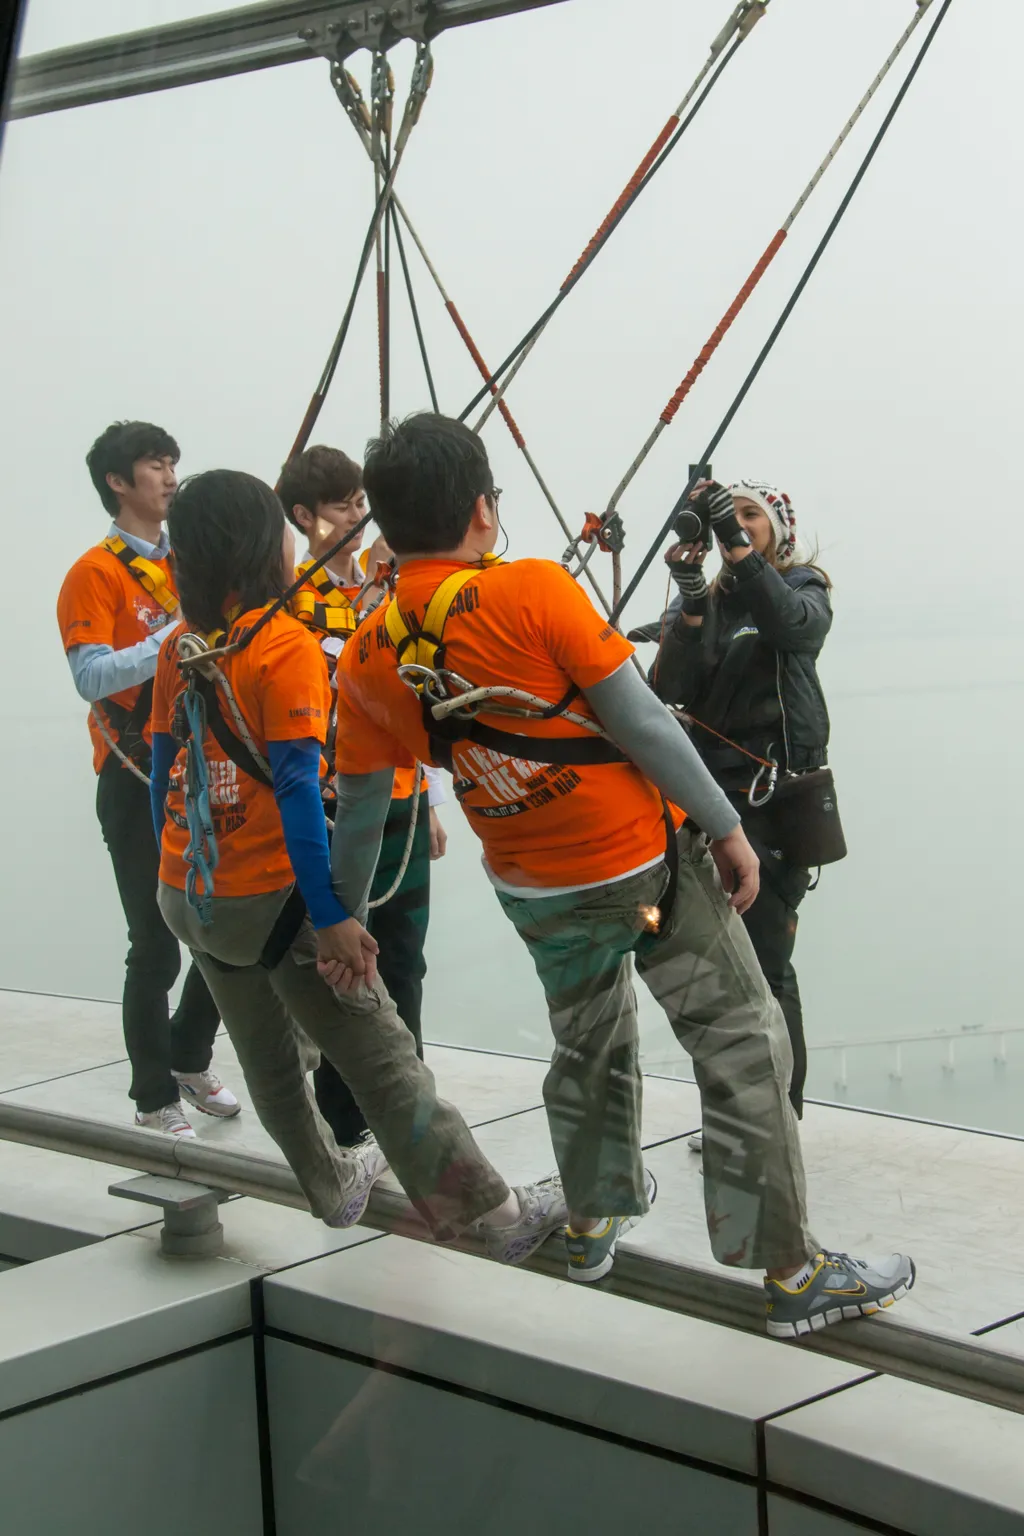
693	523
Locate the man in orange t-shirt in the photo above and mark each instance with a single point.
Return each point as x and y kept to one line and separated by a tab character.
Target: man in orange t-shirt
322	493
114	609
583	844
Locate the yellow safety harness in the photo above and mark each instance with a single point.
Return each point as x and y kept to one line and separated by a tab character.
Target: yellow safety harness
421	647
330	611
146	572
128	725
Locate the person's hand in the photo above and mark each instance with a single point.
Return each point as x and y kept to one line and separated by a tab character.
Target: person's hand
438	836
725	525
346	956
685	563
739	868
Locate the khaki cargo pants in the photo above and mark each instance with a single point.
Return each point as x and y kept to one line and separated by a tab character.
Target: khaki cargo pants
426	1141
703	971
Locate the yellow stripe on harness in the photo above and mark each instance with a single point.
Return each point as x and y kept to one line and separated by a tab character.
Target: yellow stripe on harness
329	611
428	639
146	573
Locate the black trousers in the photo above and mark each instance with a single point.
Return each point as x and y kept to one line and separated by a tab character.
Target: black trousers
155	1040
772	923
400	928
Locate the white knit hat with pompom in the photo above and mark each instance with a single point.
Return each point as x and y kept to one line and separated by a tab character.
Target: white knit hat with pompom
778	508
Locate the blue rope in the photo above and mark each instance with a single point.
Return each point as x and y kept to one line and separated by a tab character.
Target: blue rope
202	854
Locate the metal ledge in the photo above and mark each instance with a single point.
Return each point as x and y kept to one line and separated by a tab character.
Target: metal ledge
957	1363
228	43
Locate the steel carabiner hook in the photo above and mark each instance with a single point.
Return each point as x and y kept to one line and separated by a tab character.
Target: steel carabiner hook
756	801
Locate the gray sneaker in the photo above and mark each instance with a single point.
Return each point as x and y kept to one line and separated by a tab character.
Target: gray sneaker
840	1288
592	1254
370	1164
542	1211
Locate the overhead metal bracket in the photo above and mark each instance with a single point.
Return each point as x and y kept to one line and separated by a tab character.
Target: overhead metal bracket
234	42
375	26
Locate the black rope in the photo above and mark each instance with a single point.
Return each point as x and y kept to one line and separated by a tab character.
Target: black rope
385	340
568	286
414	308
297	586
776	331
330	367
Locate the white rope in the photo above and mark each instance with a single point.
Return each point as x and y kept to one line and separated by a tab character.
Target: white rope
101	726
417	795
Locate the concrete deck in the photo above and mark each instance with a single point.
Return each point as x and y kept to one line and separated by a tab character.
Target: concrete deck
949	1197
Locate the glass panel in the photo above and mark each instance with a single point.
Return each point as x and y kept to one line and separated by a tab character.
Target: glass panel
187	256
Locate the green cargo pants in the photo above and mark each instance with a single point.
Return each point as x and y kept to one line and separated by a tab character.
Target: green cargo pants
426	1141
703	972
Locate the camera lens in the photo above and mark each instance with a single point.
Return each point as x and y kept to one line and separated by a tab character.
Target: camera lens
689	526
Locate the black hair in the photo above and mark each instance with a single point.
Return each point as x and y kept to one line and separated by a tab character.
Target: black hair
117	451
225	529
423	476
316	476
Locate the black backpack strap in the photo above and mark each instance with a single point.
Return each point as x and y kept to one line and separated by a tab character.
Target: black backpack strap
231	745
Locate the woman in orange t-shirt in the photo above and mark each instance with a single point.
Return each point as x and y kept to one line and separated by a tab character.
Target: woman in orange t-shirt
245	882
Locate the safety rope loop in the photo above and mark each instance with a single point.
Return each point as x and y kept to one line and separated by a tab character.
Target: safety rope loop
713	342
788	309
410	841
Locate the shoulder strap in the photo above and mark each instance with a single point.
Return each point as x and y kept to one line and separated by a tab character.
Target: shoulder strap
231	745
428	637
428	642
146	572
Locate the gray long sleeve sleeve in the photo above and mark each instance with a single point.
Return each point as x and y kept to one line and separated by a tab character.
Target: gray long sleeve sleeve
641	725
363	800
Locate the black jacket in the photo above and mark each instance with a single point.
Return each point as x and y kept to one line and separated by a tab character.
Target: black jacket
749	670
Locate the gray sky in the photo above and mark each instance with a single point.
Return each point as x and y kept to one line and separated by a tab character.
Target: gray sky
186	256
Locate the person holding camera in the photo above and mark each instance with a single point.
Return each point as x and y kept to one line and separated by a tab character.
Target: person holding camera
740	658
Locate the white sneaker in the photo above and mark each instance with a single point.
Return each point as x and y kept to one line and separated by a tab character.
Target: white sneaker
696	1142
370	1163
170	1121
542	1210
206	1092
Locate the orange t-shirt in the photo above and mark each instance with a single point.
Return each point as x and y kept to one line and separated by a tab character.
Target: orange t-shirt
281	685
101	603
405	778
528	625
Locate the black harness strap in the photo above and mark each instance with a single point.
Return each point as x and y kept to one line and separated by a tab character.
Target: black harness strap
572	751
231	745
128	725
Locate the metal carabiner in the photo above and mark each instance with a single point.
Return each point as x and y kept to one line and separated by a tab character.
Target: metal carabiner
753	800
